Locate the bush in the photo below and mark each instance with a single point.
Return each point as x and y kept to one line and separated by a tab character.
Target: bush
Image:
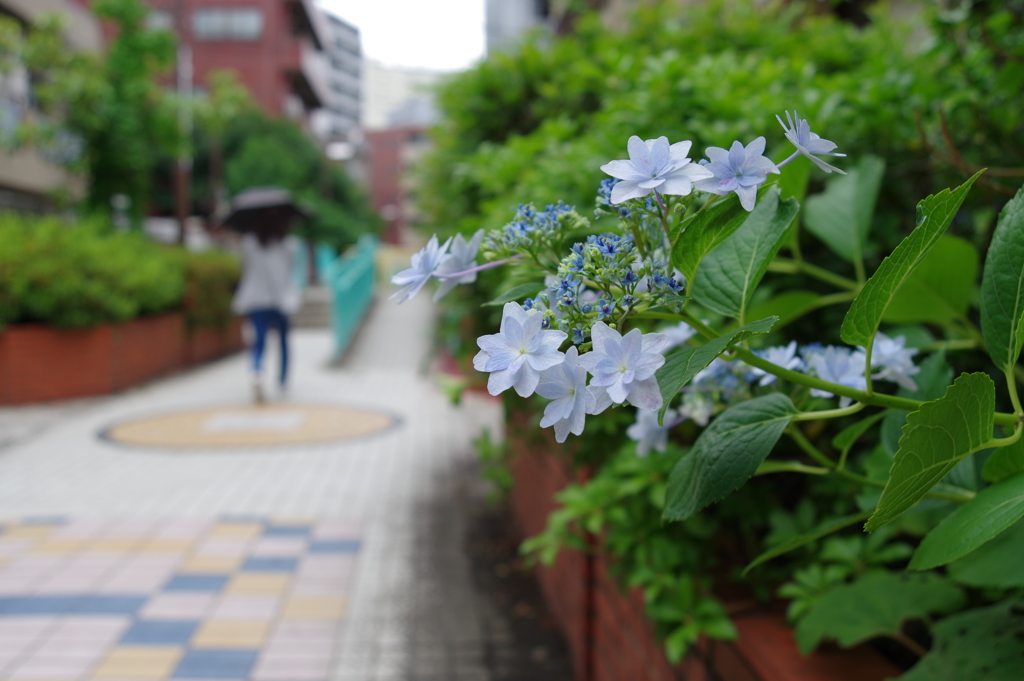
86	274
210	280
535	125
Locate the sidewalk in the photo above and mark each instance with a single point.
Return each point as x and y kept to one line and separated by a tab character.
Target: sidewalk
284	563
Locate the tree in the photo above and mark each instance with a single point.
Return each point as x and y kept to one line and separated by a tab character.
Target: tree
227	101
111	106
260	151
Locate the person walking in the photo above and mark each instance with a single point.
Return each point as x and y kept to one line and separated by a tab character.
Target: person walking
267	294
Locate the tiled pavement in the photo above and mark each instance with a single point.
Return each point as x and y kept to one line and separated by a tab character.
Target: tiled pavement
297	563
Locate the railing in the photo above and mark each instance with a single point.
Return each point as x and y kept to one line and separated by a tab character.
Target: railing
351	278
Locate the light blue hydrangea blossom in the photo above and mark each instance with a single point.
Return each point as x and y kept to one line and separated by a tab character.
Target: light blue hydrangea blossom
424	264
519	352
740	169
566	385
783	355
677	335
461	257
648	434
895	361
808	143
696	407
654	166
624	366
839	365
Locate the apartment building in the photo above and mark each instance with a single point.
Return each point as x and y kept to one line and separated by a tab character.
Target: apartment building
30	177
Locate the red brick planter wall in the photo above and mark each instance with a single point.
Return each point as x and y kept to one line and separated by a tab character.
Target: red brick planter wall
607	630
40	363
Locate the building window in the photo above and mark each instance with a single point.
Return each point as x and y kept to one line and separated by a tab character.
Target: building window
160	20
236	23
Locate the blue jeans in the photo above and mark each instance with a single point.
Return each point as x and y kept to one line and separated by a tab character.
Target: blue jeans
262	320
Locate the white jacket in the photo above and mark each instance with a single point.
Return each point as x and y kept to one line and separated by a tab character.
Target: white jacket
267	281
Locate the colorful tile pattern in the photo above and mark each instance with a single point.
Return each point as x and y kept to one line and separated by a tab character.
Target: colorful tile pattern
234	598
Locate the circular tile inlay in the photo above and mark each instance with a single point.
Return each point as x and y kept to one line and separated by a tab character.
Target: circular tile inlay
250	425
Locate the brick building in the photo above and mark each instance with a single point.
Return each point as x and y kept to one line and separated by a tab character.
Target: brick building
277	47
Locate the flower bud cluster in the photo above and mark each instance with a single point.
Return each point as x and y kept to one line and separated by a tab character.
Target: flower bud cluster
532	231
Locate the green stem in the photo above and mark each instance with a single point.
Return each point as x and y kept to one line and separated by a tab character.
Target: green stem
804	267
1011	386
875	399
867	364
769	467
808	447
829	413
1002	441
858	267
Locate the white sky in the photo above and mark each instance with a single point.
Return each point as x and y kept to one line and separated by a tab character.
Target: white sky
431	34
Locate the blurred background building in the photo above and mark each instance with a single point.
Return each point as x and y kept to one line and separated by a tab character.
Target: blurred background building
278	48
30	176
397	110
509	20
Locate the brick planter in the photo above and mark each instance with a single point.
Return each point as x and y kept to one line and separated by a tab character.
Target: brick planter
608	633
40	363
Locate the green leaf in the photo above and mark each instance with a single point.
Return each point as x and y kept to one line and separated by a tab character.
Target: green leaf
1002	287
932	381
935	439
846	438
940	289
682	365
1004	462
703	231
982	644
731	272
727	453
933	217
996	563
825	528
788	306
841	215
517	292
993	510
877	604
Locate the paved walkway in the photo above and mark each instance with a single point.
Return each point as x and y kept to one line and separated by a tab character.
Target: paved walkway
283	563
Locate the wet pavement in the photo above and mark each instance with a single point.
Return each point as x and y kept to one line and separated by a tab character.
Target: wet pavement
341	557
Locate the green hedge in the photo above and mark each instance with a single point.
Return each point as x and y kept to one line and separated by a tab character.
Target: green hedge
85	274
535	124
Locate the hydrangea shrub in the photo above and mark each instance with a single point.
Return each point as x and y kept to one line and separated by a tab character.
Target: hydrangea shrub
610	322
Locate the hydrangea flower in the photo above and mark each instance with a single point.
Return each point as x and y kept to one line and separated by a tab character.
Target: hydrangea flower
624	366
696	407
517	354
895	361
648	434
842	366
566	384
740	169
808	143
654	166
677	335
424	263
461	256
719	372
783	355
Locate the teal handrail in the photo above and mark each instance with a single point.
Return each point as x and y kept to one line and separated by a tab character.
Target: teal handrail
351	280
